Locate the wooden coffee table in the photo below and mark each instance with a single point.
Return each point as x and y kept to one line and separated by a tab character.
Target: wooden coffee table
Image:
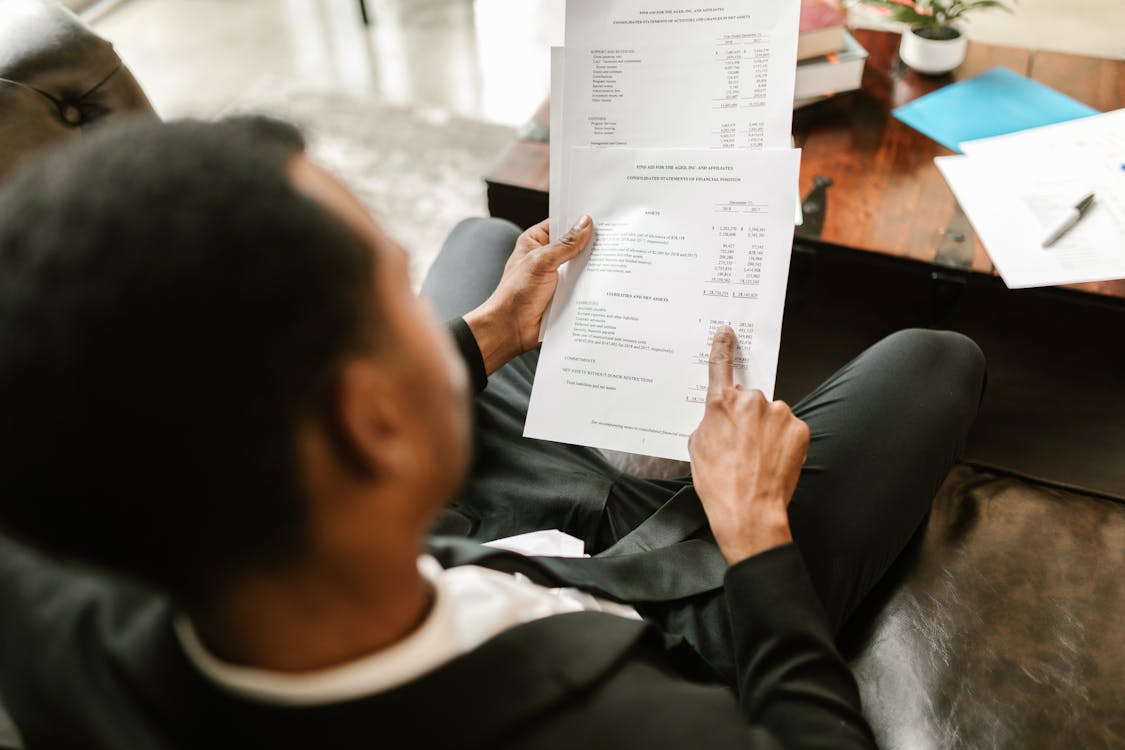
870	181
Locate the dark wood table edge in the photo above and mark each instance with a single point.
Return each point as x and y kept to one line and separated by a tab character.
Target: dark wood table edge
957	274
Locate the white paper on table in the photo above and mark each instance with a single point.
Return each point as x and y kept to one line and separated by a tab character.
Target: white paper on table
1095	138
1014	201
687	240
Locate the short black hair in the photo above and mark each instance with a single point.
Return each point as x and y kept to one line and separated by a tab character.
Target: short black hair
171	308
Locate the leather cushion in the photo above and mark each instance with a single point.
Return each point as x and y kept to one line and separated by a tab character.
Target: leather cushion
57	77
1003	625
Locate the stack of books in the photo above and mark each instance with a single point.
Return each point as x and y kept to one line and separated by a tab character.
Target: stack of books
829	59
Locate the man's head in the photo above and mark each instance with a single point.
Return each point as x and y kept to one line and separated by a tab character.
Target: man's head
211	359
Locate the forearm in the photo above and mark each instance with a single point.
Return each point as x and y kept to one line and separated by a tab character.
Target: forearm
750	534
792	681
470	352
497	337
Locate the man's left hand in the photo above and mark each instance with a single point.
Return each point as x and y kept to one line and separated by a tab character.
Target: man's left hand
508	322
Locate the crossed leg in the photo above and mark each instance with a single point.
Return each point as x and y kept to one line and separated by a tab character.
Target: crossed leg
886	429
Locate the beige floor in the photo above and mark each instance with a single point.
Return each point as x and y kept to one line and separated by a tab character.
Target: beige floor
486	59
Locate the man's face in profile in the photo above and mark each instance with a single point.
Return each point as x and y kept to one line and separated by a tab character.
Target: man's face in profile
416	351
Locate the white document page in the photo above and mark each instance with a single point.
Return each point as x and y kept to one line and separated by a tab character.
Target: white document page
716	93
670	23
1014	200
557	145
686	240
701	94
674	76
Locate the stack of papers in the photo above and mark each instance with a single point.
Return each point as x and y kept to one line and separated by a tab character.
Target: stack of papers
670	126
1016	188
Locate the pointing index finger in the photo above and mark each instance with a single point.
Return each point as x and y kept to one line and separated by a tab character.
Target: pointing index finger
721	364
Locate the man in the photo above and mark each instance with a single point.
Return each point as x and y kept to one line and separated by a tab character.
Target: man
214	379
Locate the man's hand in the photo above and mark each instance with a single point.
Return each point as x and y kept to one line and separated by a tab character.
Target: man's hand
746	456
508	322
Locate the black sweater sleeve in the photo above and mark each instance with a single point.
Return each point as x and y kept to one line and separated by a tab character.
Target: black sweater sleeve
467	345
792	682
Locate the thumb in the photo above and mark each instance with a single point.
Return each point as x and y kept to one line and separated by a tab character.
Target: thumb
569	245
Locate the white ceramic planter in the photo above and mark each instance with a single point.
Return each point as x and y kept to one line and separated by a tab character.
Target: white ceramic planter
932	56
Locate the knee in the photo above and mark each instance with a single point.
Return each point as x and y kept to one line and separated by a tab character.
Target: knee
484	230
943	360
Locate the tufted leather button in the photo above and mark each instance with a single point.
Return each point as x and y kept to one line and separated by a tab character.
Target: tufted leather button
71	114
61	79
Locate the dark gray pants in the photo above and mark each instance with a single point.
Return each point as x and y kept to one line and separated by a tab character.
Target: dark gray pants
886	429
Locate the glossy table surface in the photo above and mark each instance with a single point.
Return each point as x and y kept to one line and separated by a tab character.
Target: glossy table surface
887	196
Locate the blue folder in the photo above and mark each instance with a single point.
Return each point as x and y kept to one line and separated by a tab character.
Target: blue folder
994	103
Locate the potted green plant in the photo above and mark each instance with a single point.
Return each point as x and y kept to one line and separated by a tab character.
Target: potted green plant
934	44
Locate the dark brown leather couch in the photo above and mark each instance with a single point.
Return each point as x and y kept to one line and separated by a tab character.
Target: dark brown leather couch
1002	626
57	79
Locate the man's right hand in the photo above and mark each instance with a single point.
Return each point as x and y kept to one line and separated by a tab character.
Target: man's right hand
746	457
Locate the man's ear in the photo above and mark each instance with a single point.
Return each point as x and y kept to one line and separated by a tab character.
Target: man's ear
370	418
